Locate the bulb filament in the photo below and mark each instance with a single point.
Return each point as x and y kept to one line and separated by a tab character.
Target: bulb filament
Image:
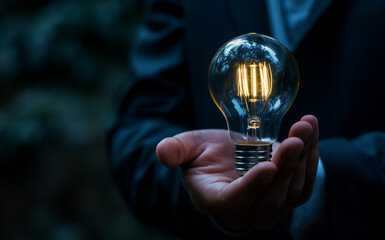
254	81
254	86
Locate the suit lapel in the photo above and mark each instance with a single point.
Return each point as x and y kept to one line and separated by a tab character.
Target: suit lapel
252	16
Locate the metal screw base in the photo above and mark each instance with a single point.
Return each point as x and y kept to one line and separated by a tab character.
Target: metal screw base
247	156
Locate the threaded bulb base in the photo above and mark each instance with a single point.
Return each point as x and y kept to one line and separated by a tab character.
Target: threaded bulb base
247	156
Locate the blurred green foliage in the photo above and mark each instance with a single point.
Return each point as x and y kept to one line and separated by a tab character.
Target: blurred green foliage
51	48
62	73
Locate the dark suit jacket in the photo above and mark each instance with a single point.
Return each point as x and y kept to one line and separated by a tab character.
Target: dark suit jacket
341	61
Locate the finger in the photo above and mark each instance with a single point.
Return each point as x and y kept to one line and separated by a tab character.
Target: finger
287	155
287	159
245	190
312	160
313	149
180	149
291	169
240	195
296	185
303	130
315	129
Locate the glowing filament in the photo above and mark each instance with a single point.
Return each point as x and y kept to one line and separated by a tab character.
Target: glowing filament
254	81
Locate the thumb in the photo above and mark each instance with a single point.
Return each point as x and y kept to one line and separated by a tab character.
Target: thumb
182	148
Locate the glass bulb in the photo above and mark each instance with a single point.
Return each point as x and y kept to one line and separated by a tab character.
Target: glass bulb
253	79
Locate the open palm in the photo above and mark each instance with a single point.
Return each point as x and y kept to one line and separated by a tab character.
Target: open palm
263	195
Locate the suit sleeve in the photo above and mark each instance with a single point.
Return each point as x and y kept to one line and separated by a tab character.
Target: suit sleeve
158	105
155	106
355	184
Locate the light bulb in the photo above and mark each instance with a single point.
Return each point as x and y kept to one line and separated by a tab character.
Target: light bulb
253	79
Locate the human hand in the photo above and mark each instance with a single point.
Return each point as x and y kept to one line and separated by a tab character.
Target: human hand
264	194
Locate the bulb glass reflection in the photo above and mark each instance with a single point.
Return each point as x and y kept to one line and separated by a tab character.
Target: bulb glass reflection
253	79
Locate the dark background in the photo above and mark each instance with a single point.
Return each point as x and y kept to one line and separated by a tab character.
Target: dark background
63	70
